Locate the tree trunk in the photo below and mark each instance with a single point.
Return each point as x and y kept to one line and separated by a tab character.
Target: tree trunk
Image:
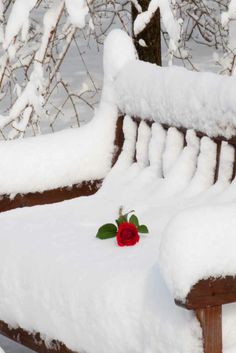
151	36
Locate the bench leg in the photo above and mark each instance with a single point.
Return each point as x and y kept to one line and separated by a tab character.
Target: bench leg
211	322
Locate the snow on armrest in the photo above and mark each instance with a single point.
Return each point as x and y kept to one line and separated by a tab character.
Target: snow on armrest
61	159
199	244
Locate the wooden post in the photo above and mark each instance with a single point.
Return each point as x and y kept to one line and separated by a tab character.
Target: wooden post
206	298
211	322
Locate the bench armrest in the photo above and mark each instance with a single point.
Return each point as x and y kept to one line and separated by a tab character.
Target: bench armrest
85	188
207	297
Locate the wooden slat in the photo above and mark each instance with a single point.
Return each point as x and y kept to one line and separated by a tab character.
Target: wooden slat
218	150
49	196
234	165
211	292
200	134
210	319
32	341
119	139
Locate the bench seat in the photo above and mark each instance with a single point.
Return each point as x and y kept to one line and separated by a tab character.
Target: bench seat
57	279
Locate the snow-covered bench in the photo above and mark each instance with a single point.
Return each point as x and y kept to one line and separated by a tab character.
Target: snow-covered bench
63	290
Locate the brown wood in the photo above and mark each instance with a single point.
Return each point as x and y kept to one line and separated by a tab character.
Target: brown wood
151	35
218	150
85	188
210	319
49	196
234	166
32	340
206	298
200	134
119	139
211	292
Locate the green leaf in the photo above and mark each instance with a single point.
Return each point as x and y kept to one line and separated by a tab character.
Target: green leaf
143	229
134	219
107	231
121	219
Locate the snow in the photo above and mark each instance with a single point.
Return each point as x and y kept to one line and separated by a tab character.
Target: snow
144	133
122	300
156	148
1	350
178	97
198	243
174	145
71	156
17	20
77	12
172	26
74	282
122	308
64	158
119	50
49	22
230	14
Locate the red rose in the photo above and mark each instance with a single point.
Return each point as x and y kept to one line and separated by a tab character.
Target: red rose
127	234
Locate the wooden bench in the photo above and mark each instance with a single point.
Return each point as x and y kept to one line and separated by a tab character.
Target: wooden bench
206	297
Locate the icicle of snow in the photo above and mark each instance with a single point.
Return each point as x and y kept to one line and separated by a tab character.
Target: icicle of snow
226	163
174	146
77	10
17	19
156	148
142	147
204	176
185	167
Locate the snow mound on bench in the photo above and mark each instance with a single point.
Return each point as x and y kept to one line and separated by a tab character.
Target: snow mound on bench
119	50
61	159
178	97
197	244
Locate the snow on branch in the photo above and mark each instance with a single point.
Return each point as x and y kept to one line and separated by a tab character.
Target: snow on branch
43	50
78	10
18	21
230	14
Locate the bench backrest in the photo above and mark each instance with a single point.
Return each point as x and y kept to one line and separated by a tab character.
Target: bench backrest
175	140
